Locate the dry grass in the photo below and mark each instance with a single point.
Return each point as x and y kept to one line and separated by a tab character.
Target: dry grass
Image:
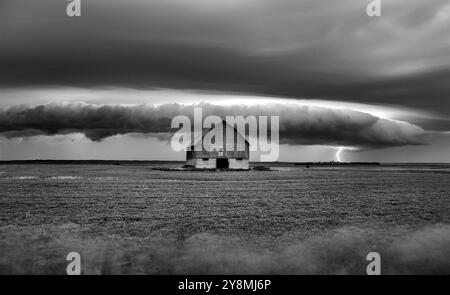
132	219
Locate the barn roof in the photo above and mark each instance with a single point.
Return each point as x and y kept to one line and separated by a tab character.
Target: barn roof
206	130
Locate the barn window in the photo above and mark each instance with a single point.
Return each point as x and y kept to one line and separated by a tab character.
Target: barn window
205	159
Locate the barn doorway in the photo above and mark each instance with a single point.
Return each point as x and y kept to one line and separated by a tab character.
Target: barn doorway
222	163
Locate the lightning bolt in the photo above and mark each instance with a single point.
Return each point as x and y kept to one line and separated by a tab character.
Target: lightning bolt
338	153
341	149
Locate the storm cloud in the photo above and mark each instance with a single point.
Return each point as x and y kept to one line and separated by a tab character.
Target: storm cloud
124	51
284	48
298	124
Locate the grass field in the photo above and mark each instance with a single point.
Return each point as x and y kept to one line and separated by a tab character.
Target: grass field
130	219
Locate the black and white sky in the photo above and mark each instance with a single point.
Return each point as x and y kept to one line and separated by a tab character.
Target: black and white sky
105	85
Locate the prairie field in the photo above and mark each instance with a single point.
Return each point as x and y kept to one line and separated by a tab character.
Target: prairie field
131	219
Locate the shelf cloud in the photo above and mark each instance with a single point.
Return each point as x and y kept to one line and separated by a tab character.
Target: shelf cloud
310	125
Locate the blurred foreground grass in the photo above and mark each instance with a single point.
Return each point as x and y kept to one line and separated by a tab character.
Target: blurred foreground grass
134	220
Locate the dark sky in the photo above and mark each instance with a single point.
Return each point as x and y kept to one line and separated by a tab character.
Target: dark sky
320	50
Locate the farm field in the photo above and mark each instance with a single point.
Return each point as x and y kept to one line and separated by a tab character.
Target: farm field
130	219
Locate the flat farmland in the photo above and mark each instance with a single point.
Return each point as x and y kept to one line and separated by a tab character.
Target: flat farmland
127	219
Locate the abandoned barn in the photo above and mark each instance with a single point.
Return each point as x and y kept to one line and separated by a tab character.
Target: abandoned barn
232	152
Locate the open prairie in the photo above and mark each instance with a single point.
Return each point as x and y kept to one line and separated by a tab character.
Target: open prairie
130	219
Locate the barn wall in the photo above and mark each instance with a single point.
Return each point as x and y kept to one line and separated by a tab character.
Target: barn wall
191	162
242	164
217	154
200	163
211	163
